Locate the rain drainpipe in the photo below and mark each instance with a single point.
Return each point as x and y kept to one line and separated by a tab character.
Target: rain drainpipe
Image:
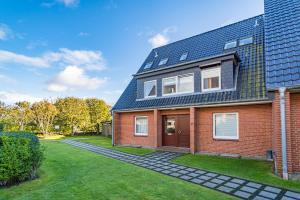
112	130
283	133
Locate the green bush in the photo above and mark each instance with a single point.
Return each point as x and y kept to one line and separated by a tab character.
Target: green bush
20	156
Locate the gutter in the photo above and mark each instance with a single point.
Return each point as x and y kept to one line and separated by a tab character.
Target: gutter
283	133
112	130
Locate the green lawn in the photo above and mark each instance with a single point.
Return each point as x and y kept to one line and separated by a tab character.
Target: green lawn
260	171
73	173
106	142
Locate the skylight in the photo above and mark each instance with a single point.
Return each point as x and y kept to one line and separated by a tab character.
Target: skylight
245	41
163	61
148	65
183	56
230	45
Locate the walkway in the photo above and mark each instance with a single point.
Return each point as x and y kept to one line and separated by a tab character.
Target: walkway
160	162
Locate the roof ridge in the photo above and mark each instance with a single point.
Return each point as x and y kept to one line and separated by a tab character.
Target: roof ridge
207	32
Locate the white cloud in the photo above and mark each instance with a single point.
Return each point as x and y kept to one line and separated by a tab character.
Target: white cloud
69	3
7	79
90	60
5	32
10	97
162	38
83	34
35	44
74	78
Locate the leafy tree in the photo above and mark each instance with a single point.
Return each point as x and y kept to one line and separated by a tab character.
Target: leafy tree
43	113
23	114
99	112
73	114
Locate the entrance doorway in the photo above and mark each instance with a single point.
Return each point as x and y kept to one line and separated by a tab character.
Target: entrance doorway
176	130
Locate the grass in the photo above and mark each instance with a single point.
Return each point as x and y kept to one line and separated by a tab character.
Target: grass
106	142
73	173
260	171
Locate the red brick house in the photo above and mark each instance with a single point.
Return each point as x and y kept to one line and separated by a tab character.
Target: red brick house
230	91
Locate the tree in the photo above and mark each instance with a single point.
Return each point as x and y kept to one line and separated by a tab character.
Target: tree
43	113
99	112
73	114
23	114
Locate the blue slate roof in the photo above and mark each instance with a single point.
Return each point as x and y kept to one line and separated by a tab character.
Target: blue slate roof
282	38
251	75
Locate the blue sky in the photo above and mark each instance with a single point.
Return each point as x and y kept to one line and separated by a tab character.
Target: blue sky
90	48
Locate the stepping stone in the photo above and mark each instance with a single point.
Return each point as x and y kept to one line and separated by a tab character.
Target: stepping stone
242	194
185	177
166	171
260	198
193	174
204	177
196	180
292	194
190	169
287	198
183	172
175	174
217	181
211	174
225	189
210	185
272	189
269	195
239	181
233	185
225	178
174	169
248	189
181	167
254	185
200	172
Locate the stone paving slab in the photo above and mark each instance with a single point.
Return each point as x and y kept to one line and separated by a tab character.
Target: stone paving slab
160	162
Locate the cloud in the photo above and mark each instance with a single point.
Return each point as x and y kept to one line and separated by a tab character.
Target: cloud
7	79
90	60
35	44
74	78
5	32
162	38
10	97
83	34
66	3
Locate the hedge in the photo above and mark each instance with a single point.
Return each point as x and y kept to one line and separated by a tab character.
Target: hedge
20	157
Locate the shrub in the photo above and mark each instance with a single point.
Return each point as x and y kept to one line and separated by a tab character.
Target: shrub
20	156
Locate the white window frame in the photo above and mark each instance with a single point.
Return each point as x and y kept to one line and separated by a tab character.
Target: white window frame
148	65
155	89
226	137
185	56
246	38
203	71
141	134
177	84
230	42
163	61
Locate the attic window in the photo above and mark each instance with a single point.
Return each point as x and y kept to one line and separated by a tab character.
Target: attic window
163	61
245	41
230	45
183	56
148	65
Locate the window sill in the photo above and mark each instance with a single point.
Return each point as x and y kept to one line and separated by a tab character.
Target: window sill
135	135
226	139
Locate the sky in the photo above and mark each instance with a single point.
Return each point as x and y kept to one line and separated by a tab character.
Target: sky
91	48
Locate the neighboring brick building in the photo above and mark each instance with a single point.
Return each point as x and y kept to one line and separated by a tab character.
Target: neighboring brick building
230	91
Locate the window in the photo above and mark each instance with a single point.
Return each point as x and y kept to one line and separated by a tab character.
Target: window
186	83
148	65
211	79
150	88
169	85
245	41
178	84
225	126
163	61
183	56
141	125
230	45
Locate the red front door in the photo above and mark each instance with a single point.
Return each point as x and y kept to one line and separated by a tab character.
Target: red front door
176	130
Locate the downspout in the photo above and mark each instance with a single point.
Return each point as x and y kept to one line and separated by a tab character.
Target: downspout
112	130
283	132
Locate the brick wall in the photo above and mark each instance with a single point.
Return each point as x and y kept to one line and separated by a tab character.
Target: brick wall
255	129
127	129
295	131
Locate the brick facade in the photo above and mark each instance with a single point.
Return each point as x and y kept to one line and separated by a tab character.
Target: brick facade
295	132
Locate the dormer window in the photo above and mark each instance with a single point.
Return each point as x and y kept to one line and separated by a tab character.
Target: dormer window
163	61
183	56
150	88
246	41
148	65
230	45
211	79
